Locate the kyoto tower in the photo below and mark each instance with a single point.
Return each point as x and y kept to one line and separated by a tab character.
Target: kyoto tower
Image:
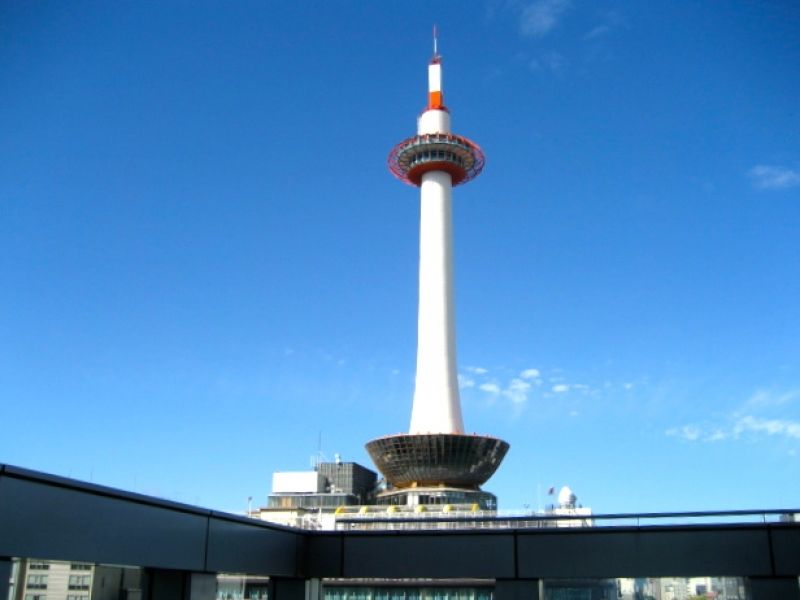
436	462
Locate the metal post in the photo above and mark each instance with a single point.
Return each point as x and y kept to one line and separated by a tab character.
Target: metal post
165	584
517	589
313	589
202	586
773	588
284	588
5	576
180	585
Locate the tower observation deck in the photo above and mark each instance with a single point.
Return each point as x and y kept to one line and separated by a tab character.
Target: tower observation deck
436	462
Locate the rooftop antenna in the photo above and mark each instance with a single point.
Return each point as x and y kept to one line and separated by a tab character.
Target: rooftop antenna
435	42
319	457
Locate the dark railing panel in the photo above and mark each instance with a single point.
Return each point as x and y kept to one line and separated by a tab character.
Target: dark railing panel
53	518
441	555
786	550
50	517
47	518
719	551
246	546
587	553
5	576
323	555
572	554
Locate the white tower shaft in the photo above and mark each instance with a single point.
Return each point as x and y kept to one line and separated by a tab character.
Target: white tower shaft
437	406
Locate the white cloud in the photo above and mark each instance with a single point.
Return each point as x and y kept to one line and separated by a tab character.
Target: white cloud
492	388
517	391
783	427
765	398
717	436
476	370
597	32
552	61
628	386
519	384
746	422
690	433
760	398
542	16
465	382
610	21
530	374
767	177
560	388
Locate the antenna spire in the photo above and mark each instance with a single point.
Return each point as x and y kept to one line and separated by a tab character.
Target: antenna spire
435	42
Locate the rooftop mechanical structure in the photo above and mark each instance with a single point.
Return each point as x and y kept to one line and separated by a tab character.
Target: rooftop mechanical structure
436	462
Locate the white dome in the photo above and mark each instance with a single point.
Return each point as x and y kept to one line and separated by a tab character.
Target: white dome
566	497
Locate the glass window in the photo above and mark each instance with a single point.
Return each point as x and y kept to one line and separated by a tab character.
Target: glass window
79	582
666	588
37	582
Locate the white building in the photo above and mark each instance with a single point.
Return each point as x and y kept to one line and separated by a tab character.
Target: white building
51	580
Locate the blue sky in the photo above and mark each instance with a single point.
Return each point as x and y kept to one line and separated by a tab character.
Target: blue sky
207	268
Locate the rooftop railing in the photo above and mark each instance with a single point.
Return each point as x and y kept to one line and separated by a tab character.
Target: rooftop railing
557	519
182	547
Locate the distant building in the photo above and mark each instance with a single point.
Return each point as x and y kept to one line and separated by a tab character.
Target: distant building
683	588
310	499
350	478
568	507
49	580
580	589
639	588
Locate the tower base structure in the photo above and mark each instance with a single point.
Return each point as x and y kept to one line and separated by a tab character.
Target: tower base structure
437	468
450	499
